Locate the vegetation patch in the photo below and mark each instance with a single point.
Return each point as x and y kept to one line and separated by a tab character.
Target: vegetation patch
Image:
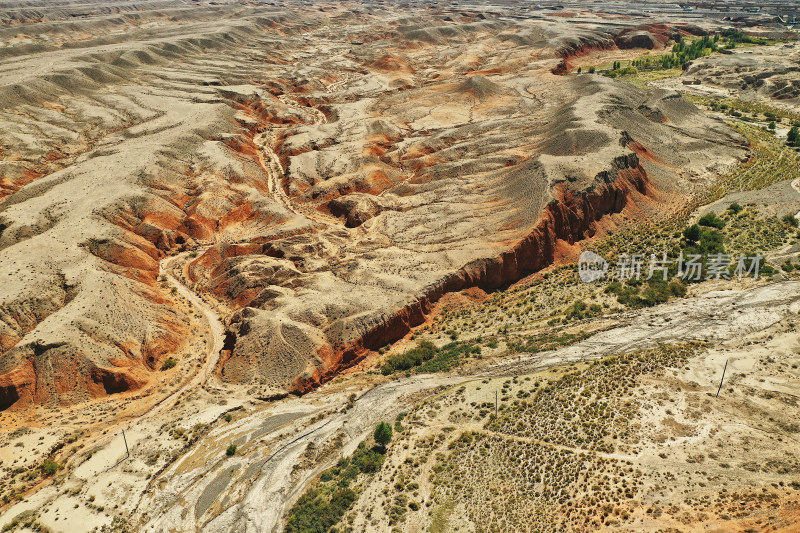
50	467
533	465
650	67
634	293
426	358
520	315
587	408
322	507
772	162
738	230
548	341
746	110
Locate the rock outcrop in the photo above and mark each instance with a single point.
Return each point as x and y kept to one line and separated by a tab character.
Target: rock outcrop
762	72
332	192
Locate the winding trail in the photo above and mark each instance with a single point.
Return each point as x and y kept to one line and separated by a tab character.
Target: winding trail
215	327
105	454
254	489
210	361
268	160
271	164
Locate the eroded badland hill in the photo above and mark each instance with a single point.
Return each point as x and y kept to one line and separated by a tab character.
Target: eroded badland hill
247	232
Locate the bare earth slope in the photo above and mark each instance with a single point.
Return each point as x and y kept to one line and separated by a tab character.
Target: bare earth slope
336	170
770	73
208	205
134	163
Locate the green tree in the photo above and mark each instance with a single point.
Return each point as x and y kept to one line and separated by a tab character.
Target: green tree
712	221
383	434
793	138
711	242
692	233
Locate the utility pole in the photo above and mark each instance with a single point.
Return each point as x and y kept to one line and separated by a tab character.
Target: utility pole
723	378
127	451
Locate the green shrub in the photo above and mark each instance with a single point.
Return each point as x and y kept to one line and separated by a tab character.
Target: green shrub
550	341
655	293
677	288
369	460
313	513
692	233
398	422
169	363
424	351
711	242
793	137
322	507
231	450
579	310
652	292
50	467
613	287
712	221
383	434
790	220
576	310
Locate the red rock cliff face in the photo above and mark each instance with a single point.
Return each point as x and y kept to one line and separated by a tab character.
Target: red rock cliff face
18	385
580	48
569	217
477	205
645	37
441	178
